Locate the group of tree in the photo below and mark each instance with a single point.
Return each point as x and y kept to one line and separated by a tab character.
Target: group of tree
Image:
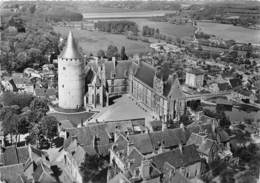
29	48
202	35
155	33
92	166
117	27
62	14
149	31
220	11
112	51
22	113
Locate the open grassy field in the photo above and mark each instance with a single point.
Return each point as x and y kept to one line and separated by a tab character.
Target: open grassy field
91	42
227	31
181	31
184	31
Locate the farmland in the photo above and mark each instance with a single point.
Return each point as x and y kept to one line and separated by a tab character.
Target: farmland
227	32
184	31
181	31
91	42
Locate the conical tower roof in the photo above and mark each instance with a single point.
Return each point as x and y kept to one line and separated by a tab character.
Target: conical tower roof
71	49
176	91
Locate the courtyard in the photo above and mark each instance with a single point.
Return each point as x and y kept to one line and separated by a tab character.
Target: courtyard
123	108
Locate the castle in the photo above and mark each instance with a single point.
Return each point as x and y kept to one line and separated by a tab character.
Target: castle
93	86
70	76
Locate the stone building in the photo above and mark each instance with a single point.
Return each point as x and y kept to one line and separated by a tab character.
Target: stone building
71	76
162	96
159	93
194	78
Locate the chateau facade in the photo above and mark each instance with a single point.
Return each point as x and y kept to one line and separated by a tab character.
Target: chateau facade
164	98
95	85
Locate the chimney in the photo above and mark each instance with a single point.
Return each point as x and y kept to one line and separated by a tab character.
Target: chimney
145	169
114	61
164	126
129	147
147	130
214	125
136	59
182	127
180	148
161	147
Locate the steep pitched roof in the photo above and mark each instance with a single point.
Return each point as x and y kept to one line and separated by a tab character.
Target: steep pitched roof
71	50
145	73
206	146
195	139
176	91
224	86
100	133
119	178
171	175
77	152
11	173
15	155
43	174
148	142
235	82
177	158
121	69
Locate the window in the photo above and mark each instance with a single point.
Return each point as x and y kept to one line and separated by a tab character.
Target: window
64	68
62	86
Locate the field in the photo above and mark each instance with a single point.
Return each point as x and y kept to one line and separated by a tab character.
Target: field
227	32
181	31
184	31
125	14
91	42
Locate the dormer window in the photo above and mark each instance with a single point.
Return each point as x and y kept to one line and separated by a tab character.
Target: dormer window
113	75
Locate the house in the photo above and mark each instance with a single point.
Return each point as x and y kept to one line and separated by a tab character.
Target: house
235	83
130	153
171	175
207	148
93	139
185	159
11	173
194	78
244	95
224	86
132	164
18	83
49	93
19	164
12	155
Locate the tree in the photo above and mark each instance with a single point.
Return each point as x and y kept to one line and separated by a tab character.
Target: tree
91	166
101	54
224	121
123	54
10	121
39	104
49	127
34	134
39	107
21	100
112	51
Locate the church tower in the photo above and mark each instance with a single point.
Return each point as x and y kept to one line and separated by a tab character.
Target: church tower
70	76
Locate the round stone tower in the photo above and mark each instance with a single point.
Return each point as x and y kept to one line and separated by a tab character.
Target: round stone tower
70	76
